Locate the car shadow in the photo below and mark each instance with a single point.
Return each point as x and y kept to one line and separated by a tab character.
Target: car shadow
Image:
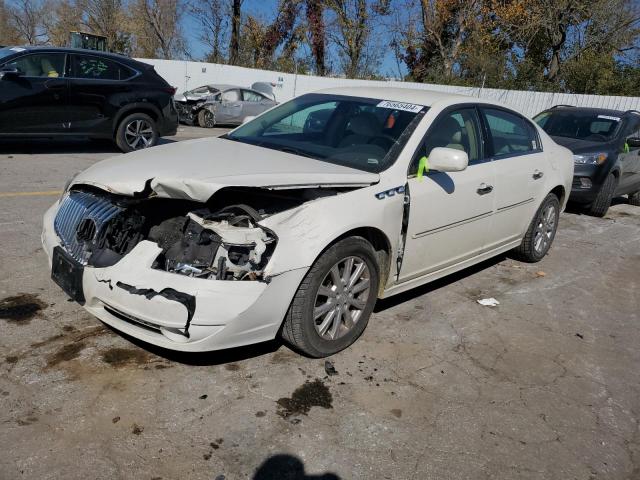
200	359
386	303
34	146
579	209
287	467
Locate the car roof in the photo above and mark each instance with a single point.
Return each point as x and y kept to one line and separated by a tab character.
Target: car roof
593	110
115	56
408	95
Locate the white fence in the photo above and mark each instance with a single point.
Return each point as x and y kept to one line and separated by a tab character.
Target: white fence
188	75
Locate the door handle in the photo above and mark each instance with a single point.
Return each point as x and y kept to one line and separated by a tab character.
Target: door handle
55	84
484	189
537	174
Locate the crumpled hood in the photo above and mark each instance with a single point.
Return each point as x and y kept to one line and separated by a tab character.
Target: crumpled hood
196	169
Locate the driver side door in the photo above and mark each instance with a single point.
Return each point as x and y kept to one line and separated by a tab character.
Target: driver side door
449	212
35	100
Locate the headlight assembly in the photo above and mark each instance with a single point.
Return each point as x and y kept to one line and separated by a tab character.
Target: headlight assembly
590	158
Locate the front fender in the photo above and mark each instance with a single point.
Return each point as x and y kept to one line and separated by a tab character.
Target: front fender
306	231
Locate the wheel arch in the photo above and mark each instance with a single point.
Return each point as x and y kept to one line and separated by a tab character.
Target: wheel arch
139	107
560	192
380	243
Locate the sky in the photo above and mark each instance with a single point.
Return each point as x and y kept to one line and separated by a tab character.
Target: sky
266	9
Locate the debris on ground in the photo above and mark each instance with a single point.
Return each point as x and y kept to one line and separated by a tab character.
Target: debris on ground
580	336
541	274
488	302
330	368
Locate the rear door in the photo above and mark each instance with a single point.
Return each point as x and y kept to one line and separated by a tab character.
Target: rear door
35	101
520	166
98	88
230	109
450	212
255	103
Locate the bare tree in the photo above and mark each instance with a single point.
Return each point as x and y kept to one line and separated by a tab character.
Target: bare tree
26	19
351	30
156	24
317	34
64	17
236	22
107	17
213	17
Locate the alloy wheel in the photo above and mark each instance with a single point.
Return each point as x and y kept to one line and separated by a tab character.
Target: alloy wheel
545	229
139	134
341	298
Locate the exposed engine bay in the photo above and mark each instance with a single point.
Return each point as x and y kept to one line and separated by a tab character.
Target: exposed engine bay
221	239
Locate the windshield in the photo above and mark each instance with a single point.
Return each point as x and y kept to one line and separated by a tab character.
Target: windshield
5	52
350	131
590	126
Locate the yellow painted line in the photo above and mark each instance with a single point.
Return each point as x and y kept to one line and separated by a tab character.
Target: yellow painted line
30	194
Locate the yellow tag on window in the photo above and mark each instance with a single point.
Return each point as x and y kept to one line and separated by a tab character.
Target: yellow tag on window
423	167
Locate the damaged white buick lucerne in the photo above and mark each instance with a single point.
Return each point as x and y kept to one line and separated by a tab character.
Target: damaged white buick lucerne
293	224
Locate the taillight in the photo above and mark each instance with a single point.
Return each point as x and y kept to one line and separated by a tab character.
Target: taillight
170	90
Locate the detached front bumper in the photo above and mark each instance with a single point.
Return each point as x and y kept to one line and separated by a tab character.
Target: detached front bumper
140	301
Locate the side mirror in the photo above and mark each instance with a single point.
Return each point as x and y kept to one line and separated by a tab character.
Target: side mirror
633	142
9	73
247	119
448	159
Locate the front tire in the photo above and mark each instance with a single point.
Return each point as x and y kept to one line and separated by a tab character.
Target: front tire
206	118
541	232
634	199
333	303
135	132
601	204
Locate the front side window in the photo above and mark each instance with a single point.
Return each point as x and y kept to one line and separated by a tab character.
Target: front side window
458	129
591	126
510	133
231	96
48	65
97	68
351	131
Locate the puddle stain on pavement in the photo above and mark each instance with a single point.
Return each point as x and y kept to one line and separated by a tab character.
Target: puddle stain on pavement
310	394
119	357
21	308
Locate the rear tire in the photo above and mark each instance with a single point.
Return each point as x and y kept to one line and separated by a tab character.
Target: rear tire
634	199
206	118
333	303
541	232
135	132
601	204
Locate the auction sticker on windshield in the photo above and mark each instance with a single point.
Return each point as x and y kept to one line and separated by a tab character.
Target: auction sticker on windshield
407	107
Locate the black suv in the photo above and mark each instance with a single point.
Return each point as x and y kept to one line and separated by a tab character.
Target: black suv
52	92
606	152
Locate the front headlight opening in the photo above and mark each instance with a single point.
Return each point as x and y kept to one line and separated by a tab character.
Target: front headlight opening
590	158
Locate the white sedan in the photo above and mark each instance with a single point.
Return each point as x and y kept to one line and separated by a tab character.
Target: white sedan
293	224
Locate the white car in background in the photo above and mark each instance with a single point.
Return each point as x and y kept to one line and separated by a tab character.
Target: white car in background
293	224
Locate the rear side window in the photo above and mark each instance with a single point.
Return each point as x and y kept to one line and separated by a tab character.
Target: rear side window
97	68
510	133
249	96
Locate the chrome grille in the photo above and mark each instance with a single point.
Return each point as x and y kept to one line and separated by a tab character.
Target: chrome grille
74	208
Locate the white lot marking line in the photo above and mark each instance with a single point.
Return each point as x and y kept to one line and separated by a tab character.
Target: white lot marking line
30	194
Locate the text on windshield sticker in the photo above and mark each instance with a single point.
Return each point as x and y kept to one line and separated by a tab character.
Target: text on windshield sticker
407	107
